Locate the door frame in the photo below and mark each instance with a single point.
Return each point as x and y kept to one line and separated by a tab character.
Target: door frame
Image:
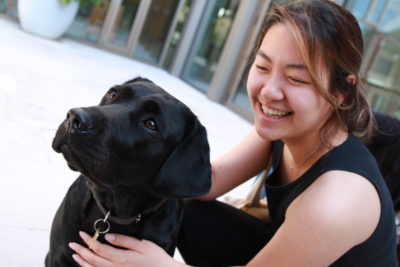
136	30
170	34
111	16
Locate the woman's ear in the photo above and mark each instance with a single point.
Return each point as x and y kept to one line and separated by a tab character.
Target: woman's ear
341	99
351	78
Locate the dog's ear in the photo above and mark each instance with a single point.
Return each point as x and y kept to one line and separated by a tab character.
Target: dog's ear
138	79
187	170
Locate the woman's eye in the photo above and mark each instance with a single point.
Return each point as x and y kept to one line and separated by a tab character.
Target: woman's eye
298	81
150	124
112	94
261	68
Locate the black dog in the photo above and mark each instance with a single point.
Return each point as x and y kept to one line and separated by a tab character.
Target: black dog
139	153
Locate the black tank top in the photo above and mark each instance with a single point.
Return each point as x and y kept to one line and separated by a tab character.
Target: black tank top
380	248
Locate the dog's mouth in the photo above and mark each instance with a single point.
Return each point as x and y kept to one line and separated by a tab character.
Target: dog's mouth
85	161
74	163
78	153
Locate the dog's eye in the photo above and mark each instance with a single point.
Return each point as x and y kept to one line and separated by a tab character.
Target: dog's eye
111	94
150	124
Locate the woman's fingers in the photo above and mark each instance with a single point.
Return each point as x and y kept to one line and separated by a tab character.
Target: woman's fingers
125	242
81	261
92	244
133	252
141	252
87	258
109	253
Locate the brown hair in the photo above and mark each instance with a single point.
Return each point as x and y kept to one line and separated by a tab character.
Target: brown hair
325	30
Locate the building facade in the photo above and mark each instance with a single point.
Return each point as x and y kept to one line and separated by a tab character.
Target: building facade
207	43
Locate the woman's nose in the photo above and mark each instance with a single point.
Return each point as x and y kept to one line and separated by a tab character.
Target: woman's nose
272	89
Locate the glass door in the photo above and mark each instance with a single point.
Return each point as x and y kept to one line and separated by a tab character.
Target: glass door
171	48
89	22
123	23
142	29
9	7
156	31
210	40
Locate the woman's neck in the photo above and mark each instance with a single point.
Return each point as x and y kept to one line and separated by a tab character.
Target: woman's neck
300	154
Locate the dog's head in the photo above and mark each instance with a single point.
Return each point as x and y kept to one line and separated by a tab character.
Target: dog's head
139	135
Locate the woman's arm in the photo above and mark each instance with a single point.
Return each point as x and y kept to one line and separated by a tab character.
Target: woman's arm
337	212
244	161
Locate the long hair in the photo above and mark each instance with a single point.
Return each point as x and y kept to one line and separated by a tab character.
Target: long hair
329	33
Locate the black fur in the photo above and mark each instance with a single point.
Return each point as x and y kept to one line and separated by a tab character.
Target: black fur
140	147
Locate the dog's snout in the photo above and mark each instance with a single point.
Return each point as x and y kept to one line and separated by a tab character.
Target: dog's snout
79	120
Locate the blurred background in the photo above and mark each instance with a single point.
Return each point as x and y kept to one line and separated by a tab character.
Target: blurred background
206	43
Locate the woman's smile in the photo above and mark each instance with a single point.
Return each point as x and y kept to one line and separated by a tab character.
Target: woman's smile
274	113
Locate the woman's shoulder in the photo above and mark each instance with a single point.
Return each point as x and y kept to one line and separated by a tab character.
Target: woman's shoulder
328	219
352	150
336	204
352	156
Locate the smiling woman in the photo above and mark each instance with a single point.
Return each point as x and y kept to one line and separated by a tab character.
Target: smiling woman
308	109
281	91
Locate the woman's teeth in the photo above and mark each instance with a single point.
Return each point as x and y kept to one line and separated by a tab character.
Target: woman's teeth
272	112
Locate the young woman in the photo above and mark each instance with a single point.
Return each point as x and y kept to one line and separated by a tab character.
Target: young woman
327	200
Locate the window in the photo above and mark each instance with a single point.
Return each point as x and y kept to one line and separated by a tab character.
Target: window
89	22
380	23
209	42
9	7
155	30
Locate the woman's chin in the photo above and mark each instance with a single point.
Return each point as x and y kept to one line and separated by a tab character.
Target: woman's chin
267	133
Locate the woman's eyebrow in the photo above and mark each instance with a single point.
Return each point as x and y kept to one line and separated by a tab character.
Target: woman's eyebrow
264	56
297	66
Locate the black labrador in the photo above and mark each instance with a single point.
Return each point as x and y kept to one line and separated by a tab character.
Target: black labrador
140	152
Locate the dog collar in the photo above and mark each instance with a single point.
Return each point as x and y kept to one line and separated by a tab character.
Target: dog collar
125	221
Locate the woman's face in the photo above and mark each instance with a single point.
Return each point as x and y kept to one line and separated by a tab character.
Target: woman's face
285	102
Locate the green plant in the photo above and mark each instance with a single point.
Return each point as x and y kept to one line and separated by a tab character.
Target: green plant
85	2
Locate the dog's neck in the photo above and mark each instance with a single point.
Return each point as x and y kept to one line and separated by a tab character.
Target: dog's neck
125	203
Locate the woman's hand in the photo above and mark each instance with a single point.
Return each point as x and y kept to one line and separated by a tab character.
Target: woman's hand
137	253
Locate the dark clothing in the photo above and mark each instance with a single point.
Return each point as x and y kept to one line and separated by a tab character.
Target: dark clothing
385	146
214	234
352	156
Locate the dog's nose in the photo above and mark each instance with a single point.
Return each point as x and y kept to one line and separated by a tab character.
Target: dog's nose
79	120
